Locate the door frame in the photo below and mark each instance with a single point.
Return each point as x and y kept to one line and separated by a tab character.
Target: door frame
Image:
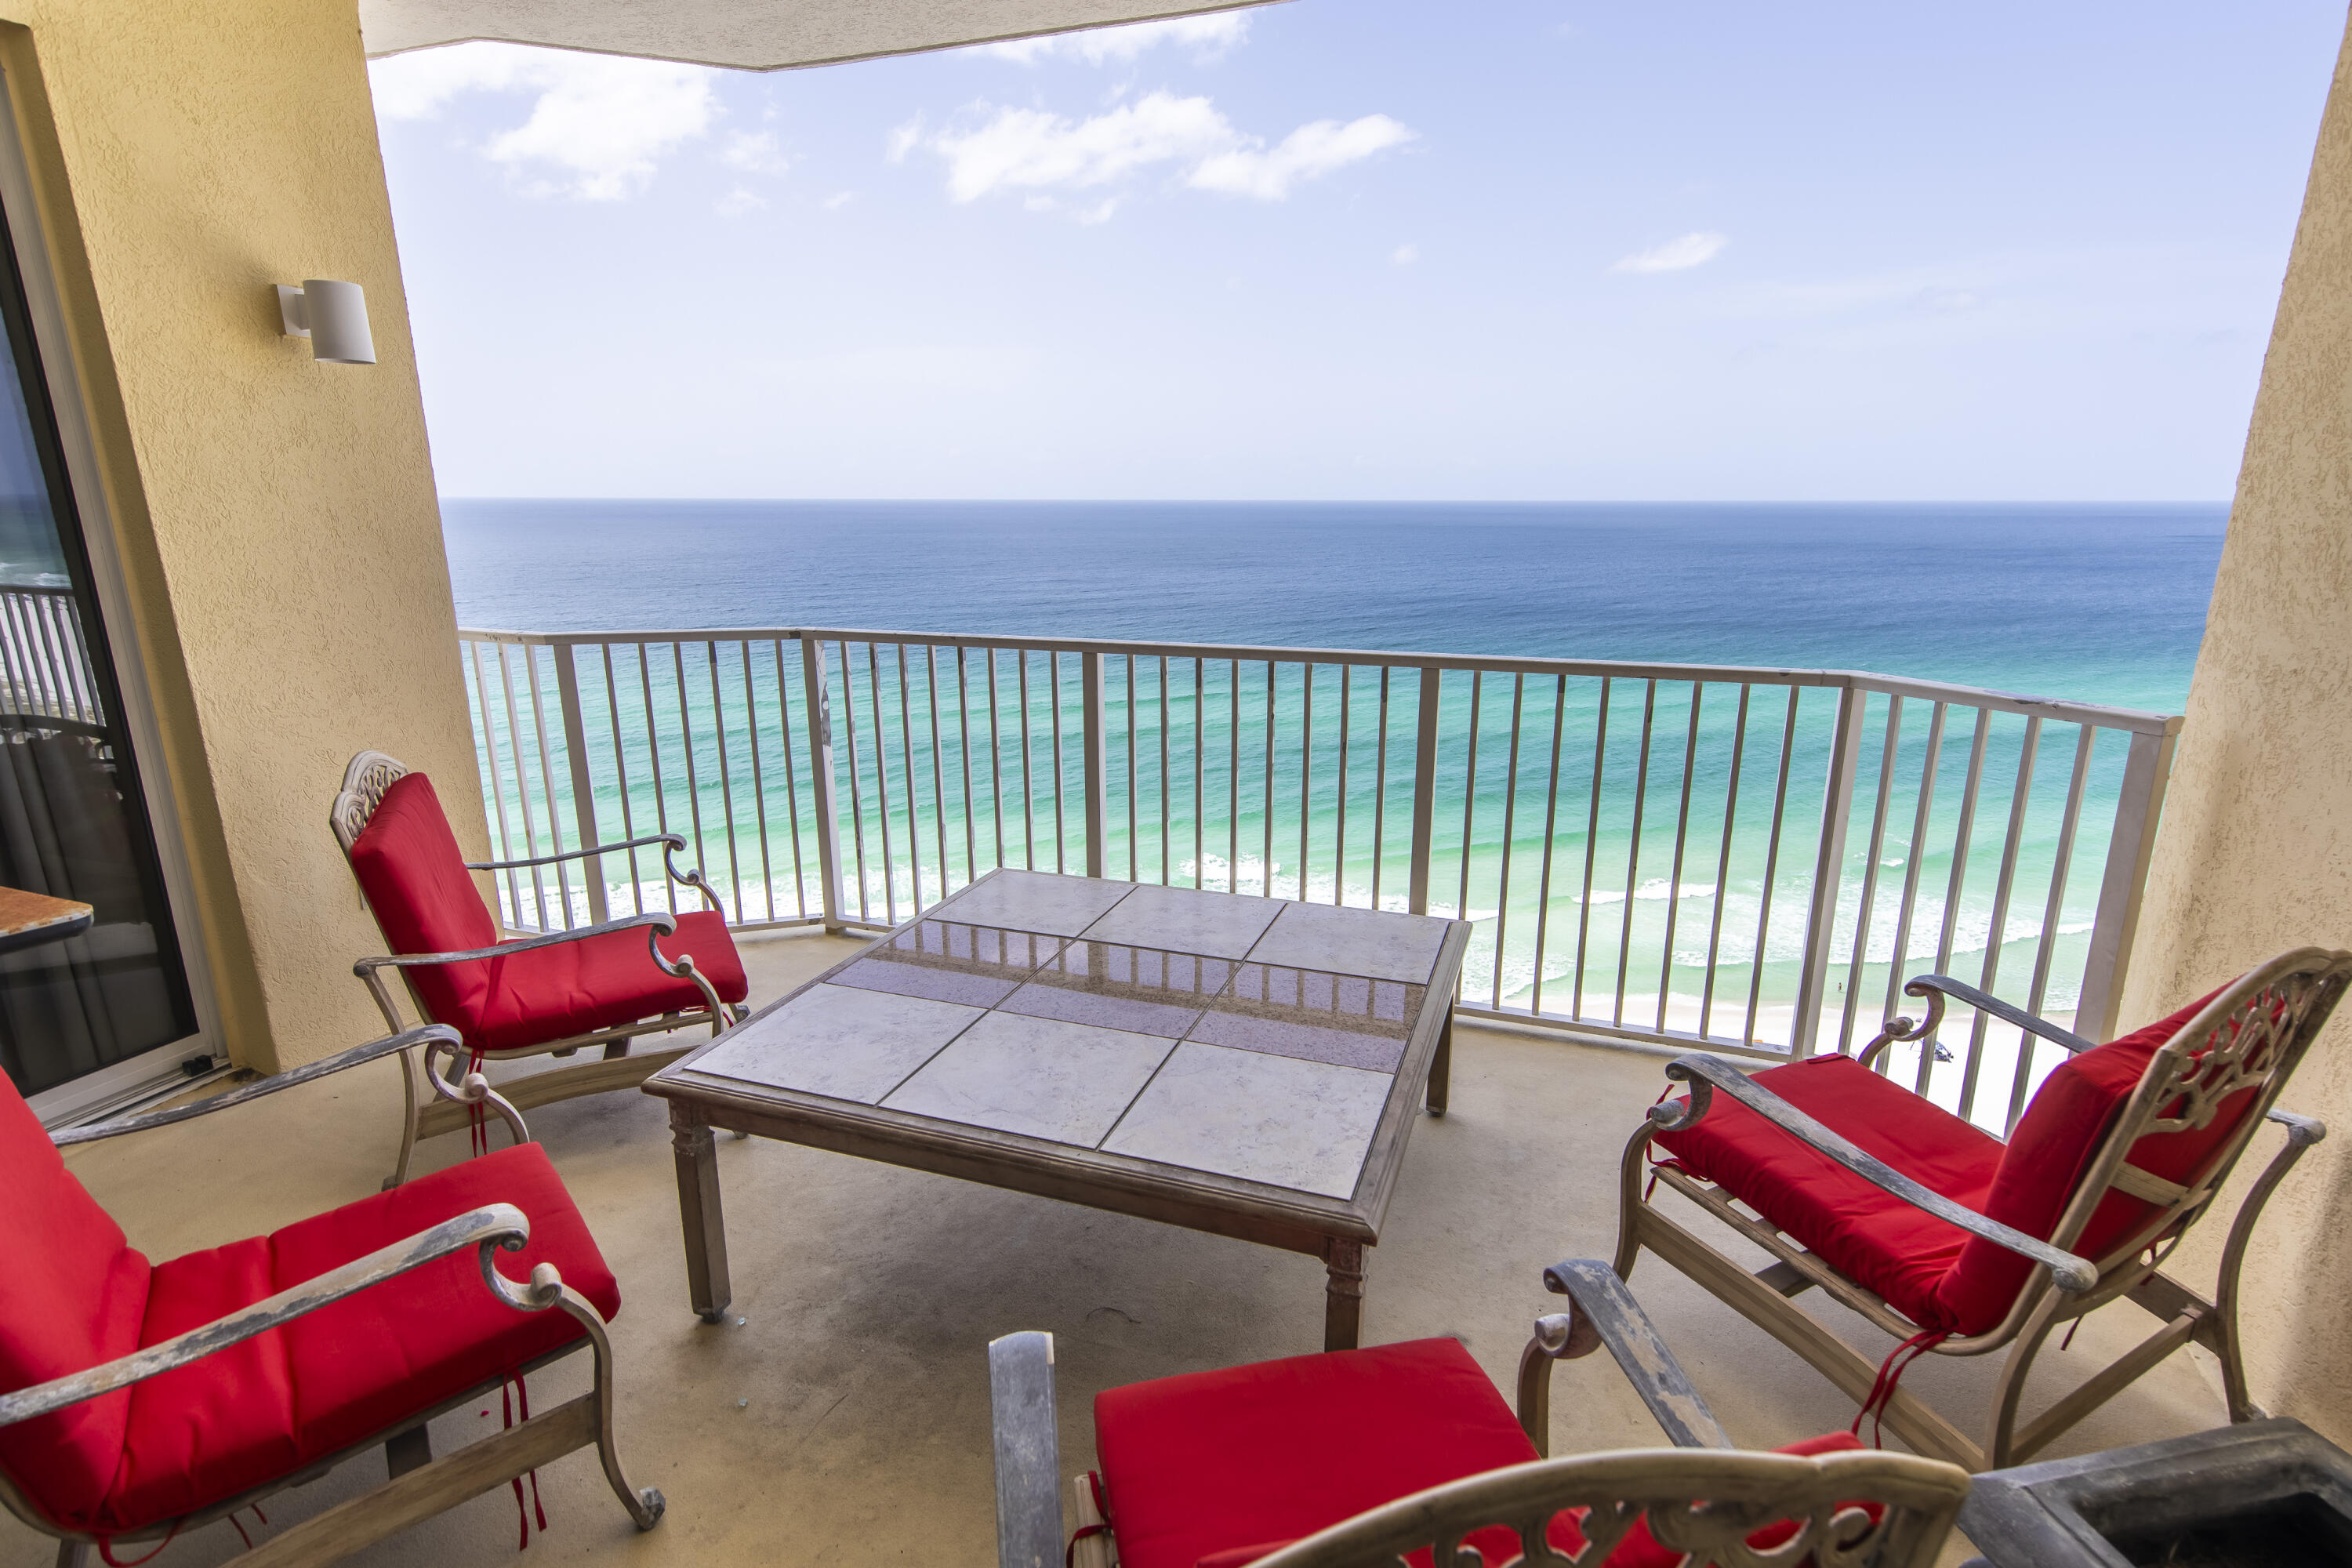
150	1073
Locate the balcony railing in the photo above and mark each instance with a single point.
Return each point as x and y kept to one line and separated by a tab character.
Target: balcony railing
47	681
1751	859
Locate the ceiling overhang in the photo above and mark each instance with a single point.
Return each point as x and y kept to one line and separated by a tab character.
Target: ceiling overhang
751	35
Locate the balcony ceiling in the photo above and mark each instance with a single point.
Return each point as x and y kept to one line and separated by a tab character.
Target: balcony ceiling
751	35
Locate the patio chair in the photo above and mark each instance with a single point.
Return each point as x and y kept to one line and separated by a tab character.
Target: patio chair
1958	1243
1405	1452
551	994
146	1399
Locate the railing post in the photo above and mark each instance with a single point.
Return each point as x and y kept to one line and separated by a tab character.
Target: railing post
1424	789
816	688
1095	741
584	792
1820	925
2148	767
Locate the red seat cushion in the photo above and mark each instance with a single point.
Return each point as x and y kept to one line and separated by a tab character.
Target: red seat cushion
1861	1231
1265	1454
1933	1273
1217	1470
408	863
548	993
70	1298
294	1395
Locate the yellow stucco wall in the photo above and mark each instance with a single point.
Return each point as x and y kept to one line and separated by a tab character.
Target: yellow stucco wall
276	517
2255	853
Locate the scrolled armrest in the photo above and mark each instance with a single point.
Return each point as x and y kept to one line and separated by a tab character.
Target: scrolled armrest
1602	1311
1933	988
1707	1073
1028	1451
431	1033
490	1228
661	924
673	840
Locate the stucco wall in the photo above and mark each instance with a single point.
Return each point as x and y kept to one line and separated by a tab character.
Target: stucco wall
276	517
2255	853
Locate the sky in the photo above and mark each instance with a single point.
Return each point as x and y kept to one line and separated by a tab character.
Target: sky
1373	250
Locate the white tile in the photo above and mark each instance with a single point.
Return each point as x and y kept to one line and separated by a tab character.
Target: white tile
1034	901
1376	943
1290	1124
840	1042
1187	920
1040	1076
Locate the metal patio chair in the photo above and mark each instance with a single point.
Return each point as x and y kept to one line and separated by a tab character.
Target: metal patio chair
1352	1458
141	1400
1958	1243
550	994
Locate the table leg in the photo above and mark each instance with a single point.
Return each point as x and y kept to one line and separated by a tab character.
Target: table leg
697	1154
1441	1067
1343	1293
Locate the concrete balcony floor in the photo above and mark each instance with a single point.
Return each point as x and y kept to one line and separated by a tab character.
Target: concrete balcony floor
846	1418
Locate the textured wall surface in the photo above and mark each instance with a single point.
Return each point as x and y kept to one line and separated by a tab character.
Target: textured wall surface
2255	854
276	517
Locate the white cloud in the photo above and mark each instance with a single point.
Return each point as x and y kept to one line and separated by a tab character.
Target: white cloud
754	152
1208	36
1307	153
1405	254
739	201
1675	254
1034	150
596	130
838	200
904	140
1029	149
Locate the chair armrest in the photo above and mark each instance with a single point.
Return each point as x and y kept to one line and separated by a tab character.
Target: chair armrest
1602	1311
673	840
1936	987
663	925
429	1035
1705	1073
2304	1130
1028	1451
488	1228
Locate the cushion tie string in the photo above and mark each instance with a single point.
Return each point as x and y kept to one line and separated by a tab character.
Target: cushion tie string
1102	1507
507	1402
106	1549
1890	1374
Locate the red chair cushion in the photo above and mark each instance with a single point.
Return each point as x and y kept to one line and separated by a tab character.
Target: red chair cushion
2052	1147
286	1399
1214	1461
408	864
1861	1231
549	993
70	1298
1933	1273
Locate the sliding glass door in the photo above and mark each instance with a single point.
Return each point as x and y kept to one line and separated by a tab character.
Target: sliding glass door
114	1004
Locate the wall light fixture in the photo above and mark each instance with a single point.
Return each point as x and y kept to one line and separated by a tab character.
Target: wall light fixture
333	315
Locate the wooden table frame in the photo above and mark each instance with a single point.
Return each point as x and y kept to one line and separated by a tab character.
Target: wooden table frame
1336	1230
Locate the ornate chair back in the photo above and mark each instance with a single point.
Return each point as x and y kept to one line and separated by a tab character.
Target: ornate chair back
1667	1507
2126	1145
364	781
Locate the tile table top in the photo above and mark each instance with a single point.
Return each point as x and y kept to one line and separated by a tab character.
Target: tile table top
1255	1039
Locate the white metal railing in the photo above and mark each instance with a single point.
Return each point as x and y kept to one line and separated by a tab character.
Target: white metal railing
1750	858
47	679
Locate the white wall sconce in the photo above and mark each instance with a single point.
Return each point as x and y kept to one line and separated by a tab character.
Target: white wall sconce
333	315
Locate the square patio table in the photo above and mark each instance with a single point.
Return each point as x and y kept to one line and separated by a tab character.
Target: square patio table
1244	1066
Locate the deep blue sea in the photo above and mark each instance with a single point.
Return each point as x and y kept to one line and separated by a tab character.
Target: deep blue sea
2100	604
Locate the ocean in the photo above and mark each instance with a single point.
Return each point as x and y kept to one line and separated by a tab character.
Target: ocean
2096	603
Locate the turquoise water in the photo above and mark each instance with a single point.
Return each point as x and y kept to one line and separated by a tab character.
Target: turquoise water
1665	868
